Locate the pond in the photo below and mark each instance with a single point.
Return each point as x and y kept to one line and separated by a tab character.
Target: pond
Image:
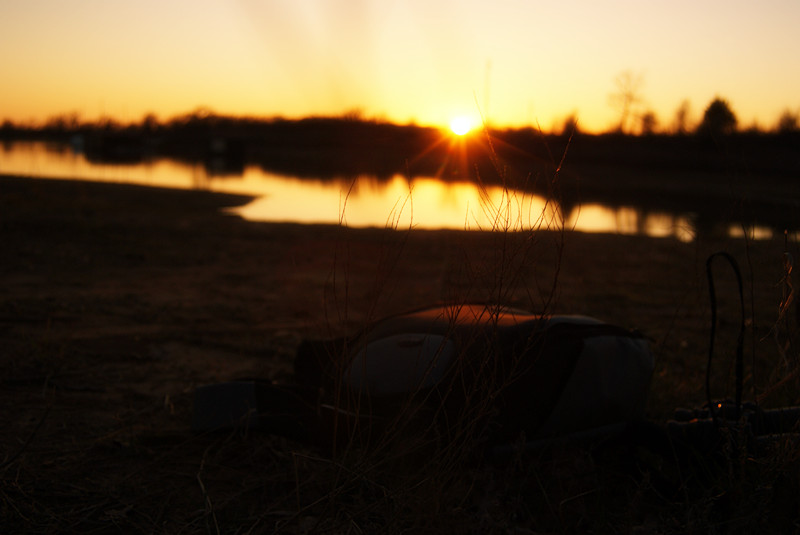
360	201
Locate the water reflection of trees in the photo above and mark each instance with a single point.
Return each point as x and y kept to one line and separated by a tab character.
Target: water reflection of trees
744	176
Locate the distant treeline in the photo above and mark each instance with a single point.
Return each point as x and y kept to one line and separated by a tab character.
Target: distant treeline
328	147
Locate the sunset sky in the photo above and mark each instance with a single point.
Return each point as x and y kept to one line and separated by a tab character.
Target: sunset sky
519	62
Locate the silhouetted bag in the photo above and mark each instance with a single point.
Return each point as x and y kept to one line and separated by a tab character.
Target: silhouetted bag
494	371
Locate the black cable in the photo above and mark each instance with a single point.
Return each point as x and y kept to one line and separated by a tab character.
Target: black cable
740	341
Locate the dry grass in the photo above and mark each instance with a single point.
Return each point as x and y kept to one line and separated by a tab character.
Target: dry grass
111	314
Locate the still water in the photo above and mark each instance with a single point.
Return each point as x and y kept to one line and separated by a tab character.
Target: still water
362	201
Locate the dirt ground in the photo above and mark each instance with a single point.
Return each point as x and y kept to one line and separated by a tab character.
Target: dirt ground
116	302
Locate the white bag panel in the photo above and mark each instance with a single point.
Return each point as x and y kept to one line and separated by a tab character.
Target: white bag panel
400	364
610	384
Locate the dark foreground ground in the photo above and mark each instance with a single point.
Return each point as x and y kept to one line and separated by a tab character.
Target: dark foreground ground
117	301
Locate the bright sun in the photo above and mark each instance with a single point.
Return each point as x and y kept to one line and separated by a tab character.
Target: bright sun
460	125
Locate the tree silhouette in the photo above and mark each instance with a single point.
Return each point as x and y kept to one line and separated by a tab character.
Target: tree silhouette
570	126
718	119
681	122
626	96
788	122
649	123
150	123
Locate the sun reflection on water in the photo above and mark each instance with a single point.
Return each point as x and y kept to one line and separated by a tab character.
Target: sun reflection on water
420	203
364	201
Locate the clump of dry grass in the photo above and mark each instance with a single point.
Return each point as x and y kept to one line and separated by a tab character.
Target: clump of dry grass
413	474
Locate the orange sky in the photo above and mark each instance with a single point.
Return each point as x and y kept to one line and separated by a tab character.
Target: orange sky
520	62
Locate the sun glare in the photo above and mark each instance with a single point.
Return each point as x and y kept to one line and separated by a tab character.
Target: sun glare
460	125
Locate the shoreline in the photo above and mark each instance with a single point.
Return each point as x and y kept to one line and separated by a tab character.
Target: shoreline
714	220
